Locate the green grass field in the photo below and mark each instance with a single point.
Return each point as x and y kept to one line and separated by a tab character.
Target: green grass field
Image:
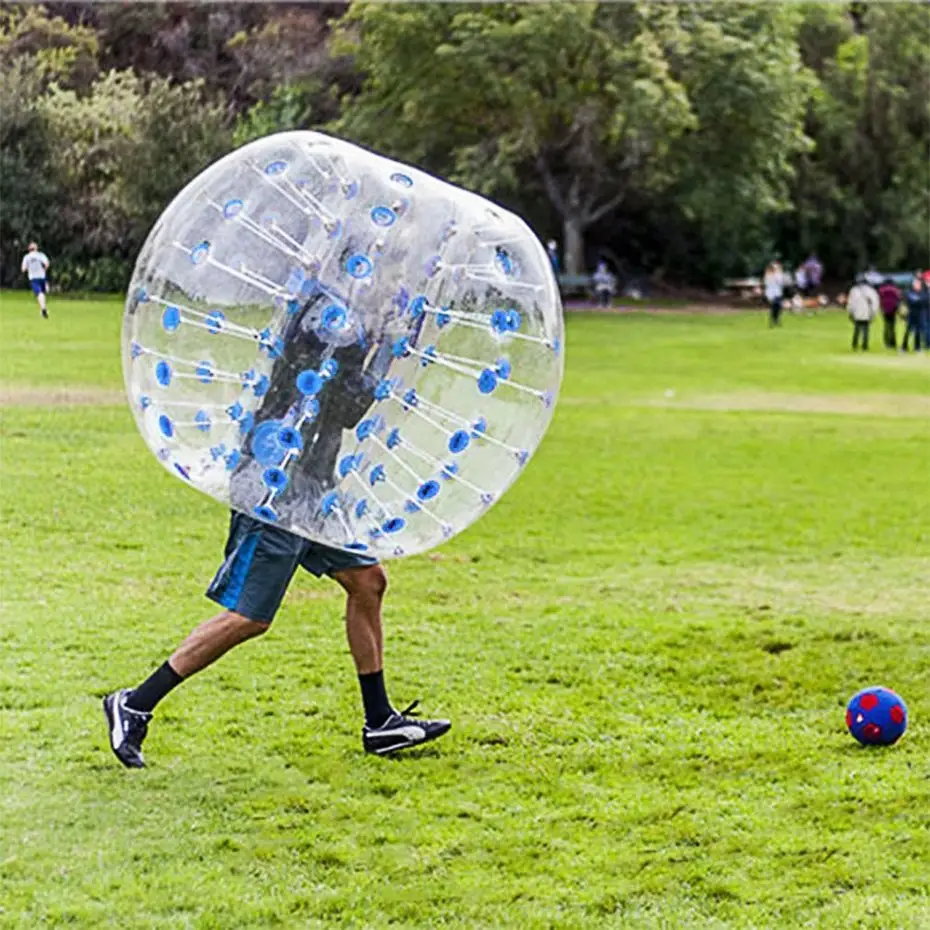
646	649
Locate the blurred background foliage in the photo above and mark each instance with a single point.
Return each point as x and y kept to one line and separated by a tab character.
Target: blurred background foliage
687	141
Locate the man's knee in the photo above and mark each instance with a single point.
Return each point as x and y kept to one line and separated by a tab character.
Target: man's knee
243	627
370	582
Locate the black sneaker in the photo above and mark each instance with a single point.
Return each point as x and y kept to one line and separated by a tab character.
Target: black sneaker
401	731
45	314
127	729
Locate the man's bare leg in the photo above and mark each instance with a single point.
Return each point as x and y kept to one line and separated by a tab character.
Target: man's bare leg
386	730
128	711
365	589
212	639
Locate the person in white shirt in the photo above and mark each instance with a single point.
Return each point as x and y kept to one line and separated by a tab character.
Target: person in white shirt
773	283
35	265
604	284
862	305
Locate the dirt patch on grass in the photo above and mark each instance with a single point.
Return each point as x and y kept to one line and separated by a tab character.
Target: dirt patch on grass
899	361
59	397
630	308
894	405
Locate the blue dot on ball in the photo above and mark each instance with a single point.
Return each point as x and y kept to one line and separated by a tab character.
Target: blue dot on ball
499	321
171	319
383	216
275	478
876	716
358	266
166	426
458	441
266	445
329	502
309	382
334	317
487	381
365	429
200	252
215	321
290	438
428	490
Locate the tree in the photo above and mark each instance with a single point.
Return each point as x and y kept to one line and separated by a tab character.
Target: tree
166	132
88	157
35	50
288	108
864	192
27	192
48	46
579	96
741	68
178	130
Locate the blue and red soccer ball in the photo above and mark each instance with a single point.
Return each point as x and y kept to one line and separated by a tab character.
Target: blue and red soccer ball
876	717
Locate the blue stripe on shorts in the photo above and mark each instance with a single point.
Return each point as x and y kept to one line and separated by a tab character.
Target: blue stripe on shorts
243	557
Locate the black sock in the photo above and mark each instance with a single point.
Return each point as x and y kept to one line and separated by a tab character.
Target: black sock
154	688
374	697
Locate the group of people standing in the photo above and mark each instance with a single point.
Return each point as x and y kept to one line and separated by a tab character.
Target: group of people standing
865	302
779	284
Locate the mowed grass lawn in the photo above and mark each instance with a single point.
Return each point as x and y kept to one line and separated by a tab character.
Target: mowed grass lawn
646	649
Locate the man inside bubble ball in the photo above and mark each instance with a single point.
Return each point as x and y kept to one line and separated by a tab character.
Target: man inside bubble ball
261	559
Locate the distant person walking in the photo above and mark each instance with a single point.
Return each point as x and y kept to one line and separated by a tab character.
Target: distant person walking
918	315
552	250
35	265
862	304
604	284
773	284
813	273
889	296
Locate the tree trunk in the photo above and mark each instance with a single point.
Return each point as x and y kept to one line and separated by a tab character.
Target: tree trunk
573	244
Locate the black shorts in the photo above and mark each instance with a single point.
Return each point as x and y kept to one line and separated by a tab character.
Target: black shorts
261	560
